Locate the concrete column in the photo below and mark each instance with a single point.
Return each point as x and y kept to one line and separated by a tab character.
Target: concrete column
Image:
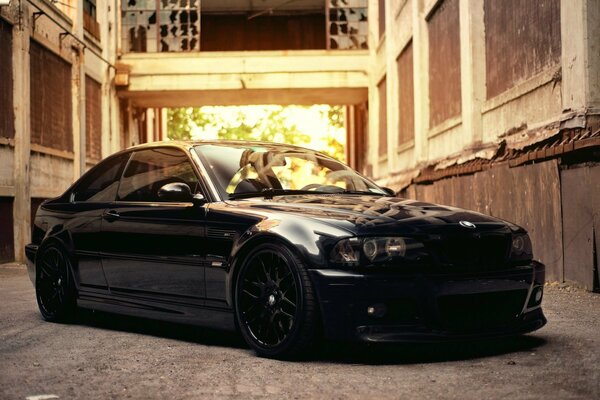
421	80
78	96
472	69
21	87
580	54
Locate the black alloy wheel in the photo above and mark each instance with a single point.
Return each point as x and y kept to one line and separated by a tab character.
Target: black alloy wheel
53	284
275	305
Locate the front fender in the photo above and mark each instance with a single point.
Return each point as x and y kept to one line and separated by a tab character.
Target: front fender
310	240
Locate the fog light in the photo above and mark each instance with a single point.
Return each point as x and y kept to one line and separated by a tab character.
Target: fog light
538	295
377	310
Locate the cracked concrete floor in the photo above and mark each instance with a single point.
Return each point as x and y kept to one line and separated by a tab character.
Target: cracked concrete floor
106	356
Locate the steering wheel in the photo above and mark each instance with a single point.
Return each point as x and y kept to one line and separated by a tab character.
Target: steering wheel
323	188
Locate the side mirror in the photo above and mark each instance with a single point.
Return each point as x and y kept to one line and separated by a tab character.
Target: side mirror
198	200
176	192
389	191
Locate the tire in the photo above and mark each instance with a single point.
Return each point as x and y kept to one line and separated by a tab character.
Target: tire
54	286
275	305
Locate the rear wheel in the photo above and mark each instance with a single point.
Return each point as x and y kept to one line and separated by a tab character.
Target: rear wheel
54	288
274	303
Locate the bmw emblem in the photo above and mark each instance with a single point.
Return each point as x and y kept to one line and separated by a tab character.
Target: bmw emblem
467	224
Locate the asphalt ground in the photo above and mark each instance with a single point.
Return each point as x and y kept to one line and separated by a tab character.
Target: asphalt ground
104	356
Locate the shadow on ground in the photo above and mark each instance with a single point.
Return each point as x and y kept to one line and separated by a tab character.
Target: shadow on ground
325	351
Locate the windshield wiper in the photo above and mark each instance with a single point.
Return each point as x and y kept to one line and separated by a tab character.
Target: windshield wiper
268	193
367	192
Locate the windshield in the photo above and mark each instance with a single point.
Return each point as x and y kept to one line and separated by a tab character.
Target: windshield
246	169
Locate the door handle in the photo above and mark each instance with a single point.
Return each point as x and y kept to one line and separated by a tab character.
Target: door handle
111	215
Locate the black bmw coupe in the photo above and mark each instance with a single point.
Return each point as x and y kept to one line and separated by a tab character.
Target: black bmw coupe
281	243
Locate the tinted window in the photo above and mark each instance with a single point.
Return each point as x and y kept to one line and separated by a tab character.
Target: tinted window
149	170
101	183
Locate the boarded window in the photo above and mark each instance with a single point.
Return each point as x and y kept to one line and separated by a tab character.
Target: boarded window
382	91
444	63
93	120
290	32
522	38
51	110
7	127
381	18
406	92
7	249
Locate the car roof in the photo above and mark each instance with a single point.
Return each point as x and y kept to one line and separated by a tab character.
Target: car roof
186	144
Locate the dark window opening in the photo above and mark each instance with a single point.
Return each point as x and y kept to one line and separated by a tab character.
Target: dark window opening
7	124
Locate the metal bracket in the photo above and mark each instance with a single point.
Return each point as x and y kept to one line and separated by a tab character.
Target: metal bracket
36	15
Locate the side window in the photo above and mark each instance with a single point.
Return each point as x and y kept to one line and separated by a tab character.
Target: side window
101	183
149	170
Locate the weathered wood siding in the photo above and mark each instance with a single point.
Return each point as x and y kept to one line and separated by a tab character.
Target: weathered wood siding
522	38
444	63
528	196
7	121
406	100
93	120
51	109
581	224
237	33
382	92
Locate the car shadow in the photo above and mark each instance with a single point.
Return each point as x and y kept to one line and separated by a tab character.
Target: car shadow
163	329
324	351
386	354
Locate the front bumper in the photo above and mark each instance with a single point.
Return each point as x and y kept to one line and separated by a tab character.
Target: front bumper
429	307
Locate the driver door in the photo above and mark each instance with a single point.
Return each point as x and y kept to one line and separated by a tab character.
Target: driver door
153	248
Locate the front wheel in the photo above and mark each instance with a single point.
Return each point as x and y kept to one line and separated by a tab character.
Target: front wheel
54	287
275	304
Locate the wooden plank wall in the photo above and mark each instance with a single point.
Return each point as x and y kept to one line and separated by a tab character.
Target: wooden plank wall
406	95
528	196
51	110
237	33
7	122
444	63
522	38
93	120
382	93
581	224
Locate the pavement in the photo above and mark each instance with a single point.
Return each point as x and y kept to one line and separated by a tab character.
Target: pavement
103	356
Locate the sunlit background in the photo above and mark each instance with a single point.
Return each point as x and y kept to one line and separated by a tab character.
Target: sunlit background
319	127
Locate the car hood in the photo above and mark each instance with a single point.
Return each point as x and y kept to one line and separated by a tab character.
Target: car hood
365	214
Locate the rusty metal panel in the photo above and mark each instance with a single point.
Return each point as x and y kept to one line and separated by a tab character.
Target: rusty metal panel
444	63
522	38
382	92
406	115
7	250
93	119
7	121
51	109
581	223
291	32
529	196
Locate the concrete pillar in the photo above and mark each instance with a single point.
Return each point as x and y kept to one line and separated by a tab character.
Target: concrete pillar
472	69
580	54
421	80
21	87
78	96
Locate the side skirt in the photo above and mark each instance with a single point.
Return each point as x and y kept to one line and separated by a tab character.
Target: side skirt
192	314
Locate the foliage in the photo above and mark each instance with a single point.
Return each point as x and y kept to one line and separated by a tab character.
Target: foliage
273	125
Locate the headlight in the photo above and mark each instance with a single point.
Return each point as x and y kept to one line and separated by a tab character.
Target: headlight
520	249
377	250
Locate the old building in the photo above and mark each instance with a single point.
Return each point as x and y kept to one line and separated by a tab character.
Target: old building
485	104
